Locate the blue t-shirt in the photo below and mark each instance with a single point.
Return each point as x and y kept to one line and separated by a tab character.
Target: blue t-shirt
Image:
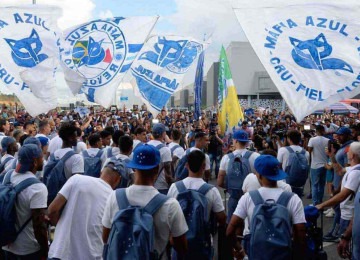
342	159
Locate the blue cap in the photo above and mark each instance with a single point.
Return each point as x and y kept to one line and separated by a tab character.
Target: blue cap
145	157
26	155
158	128
116	165
32	140
343	131
5	142
44	141
241	136
269	167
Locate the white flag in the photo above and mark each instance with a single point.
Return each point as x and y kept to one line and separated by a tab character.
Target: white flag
311	50
161	67
102	51
29	55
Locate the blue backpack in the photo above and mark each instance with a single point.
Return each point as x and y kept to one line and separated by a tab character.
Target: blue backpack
109	152
237	170
120	164
92	164
181	172
132	231
8	195
297	169
54	174
194	206
270	228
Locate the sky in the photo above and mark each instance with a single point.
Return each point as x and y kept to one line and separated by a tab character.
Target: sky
199	19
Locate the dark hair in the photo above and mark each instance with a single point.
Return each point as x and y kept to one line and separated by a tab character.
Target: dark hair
294	136
176	134
104	134
28	123
43	124
2	124
116	136
67	130
22	139
139	130
195	160
269	152
320	128
110	129
94	139
125	144
200	135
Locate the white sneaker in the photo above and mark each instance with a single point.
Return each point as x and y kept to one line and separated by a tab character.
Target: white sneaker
330	214
327	211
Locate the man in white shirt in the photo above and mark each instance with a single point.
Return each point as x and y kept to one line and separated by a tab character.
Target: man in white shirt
240	142
267	168
95	149
4	128
8	149
32	241
44	129
140	137
168	220
176	150
113	150
165	178
350	185
196	167
77	211
316	148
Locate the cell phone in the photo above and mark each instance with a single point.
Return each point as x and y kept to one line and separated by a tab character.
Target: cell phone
155	121
306	127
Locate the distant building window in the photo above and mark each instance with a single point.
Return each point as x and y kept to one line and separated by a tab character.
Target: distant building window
265	83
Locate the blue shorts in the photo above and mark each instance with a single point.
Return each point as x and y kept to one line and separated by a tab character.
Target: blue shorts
329	176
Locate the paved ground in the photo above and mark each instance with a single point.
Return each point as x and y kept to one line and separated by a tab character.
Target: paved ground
330	248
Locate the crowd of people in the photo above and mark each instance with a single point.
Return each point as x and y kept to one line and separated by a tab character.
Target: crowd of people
126	184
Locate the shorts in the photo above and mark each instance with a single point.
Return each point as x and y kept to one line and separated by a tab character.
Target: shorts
329	176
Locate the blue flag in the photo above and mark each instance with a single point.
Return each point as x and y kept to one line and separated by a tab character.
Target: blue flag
198	85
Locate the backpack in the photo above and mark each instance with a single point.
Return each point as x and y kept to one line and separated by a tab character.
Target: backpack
297	168
132	231
124	177
2	165
173	149
181	172
54	174
159	146
237	170
109	152
270	228
92	164
194	206
8	195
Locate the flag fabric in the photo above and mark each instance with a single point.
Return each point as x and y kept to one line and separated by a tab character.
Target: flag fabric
83	111
29	55
161	66
198	85
102	51
310	49
230	112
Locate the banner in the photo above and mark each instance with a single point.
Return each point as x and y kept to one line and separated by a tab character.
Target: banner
310	49
161	67
198	85
83	111
29	54
230	112
102	51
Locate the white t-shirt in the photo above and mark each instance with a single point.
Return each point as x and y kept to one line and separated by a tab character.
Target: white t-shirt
318	155
136	142
215	203
55	144
80	146
114	151
178	152
251	182
246	206
169	219
9	162
283	155
78	233
33	197
350	181
207	159
225	160
165	155
75	164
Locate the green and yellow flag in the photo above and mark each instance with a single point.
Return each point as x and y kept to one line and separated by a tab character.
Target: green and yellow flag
230	112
